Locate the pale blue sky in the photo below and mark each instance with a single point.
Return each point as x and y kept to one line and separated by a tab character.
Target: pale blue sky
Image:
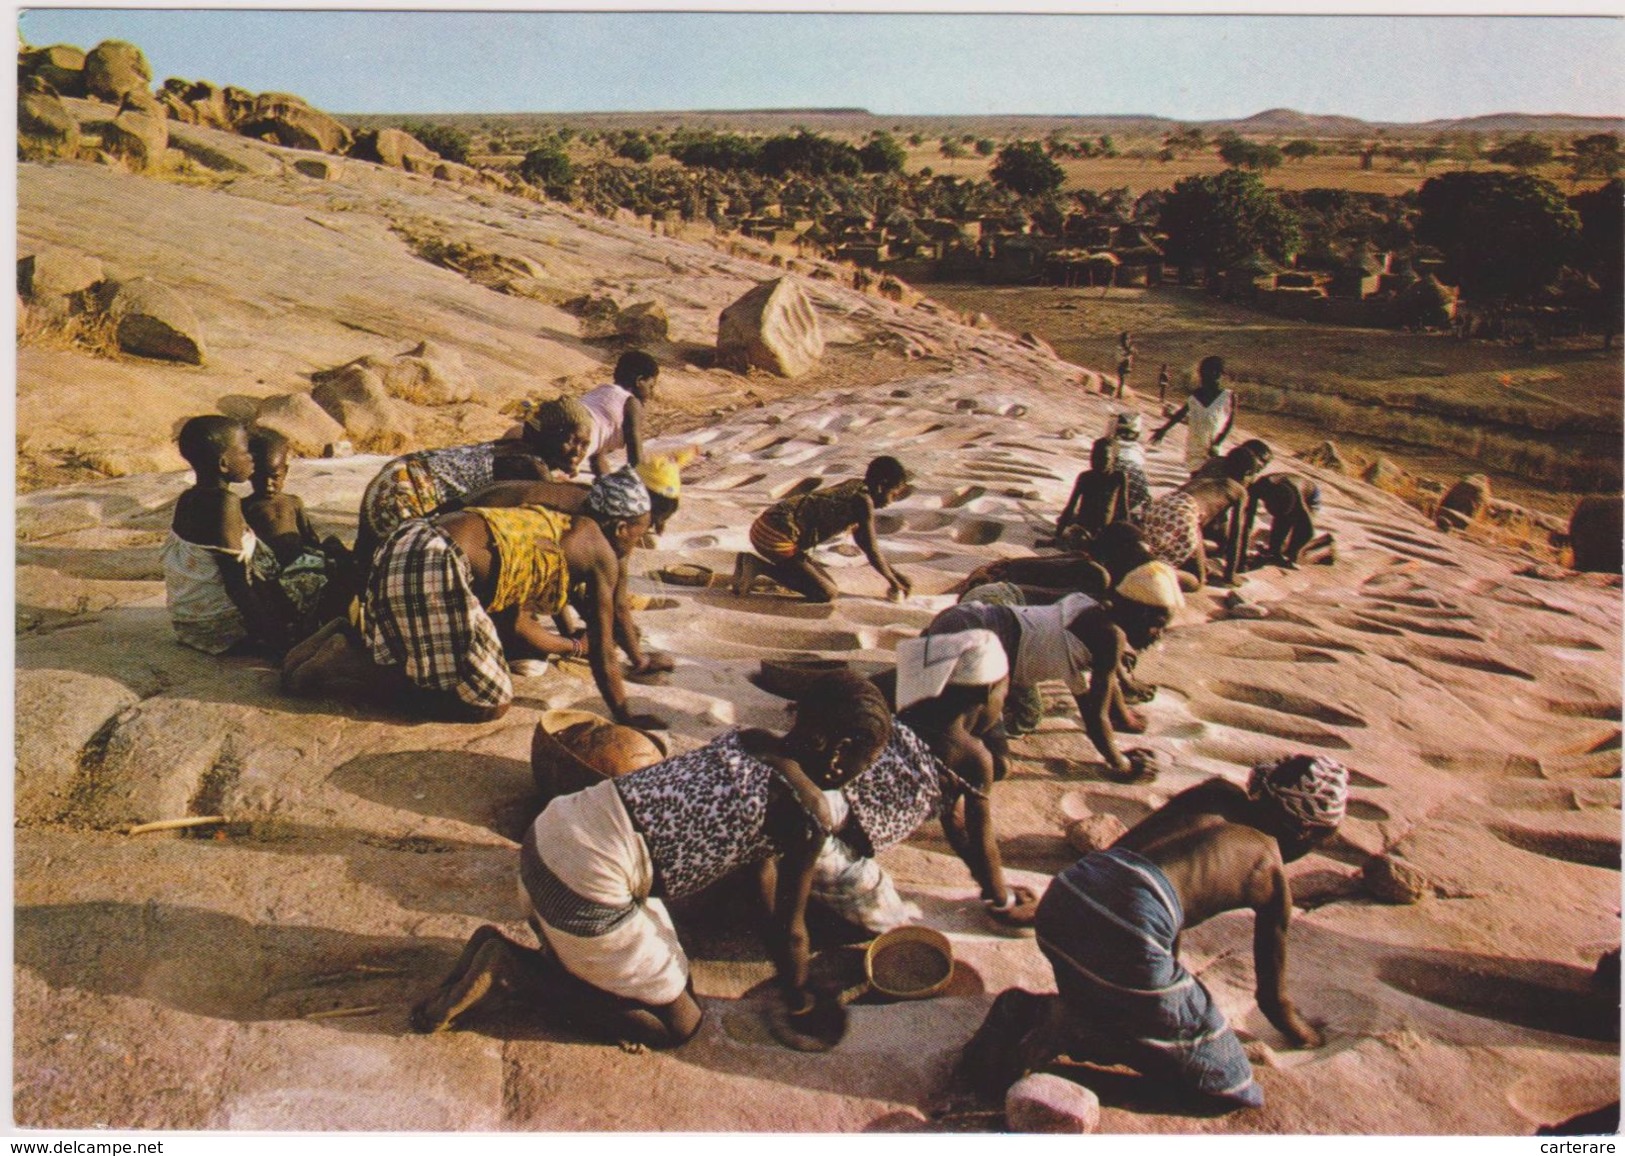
1189	67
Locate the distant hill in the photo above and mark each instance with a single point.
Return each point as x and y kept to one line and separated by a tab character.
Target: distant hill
856	121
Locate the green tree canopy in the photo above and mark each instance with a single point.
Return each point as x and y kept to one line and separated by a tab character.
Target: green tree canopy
1239	153
1596	155
548	165
808	153
451	143
1524	152
1503	235
1023	168
1297	150
1221	220
882	154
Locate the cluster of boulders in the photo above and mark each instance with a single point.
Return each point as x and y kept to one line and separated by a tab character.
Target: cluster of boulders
63	287
369	403
137	133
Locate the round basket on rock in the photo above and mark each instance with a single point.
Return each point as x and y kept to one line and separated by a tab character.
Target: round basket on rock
575	749
909	962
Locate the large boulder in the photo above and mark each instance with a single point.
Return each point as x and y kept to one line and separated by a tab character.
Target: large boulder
138	138
355	397
151	320
56	280
1463	503
114	68
643	323
290	122
773	327
392	147
198	102
45	127
1595	534
62	66
309	428
1327	456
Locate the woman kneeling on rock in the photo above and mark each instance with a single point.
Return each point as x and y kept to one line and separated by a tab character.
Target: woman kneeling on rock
596	865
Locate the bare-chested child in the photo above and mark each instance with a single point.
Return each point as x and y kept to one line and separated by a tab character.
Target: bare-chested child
220	580
597	866
1110	926
786	531
315	573
1291	500
1099	498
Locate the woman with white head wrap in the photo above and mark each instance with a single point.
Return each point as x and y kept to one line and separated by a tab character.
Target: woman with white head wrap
949	693
1082	643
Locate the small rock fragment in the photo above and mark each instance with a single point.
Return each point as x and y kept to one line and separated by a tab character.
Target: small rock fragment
1392	880
1043	1103
1094	833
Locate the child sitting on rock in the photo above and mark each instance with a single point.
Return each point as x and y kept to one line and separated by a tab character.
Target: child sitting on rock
314	573
219	578
786	531
1099	498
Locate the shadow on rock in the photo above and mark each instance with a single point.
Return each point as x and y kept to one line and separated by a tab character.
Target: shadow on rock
208	964
483	790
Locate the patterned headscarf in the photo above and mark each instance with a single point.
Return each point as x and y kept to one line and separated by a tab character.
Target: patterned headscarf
1312	789
619	495
560	415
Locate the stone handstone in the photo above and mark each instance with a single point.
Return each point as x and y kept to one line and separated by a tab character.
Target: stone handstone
1045	1103
1094	833
1392	880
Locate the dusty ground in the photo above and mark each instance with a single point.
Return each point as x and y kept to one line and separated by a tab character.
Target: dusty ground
257	976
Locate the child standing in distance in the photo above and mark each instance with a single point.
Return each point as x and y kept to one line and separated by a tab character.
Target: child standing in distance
218	577
617	410
312	572
1209	414
1125	359
1162	384
784	533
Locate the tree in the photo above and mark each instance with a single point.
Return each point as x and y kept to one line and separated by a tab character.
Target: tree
882	155
548	165
1246	154
1300	150
984	147
1521	153
1503	235
1596	155
451	143
635	148
1602	215
725	152
809	153
1023	168
1219	221
951	148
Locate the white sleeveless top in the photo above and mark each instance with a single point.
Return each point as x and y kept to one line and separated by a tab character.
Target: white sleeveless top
202	613
607	404
1203	425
